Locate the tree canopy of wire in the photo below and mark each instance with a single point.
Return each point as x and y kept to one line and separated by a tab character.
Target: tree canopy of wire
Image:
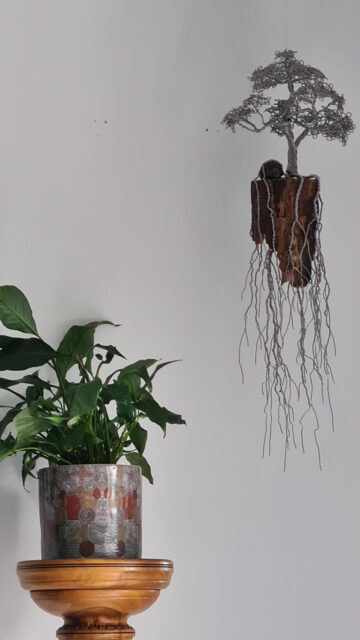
311	108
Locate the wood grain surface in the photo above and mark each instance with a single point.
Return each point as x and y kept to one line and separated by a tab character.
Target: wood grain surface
95	596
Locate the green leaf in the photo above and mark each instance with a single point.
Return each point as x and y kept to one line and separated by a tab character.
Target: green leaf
77	344
31	395
140	461
27	425
15	311
115	391
79	436
47	403
9	416
160	366
73	421
6	447
121	394
28	465
5	340
32	379
23	353
152	409
90	439
156	413
81	398
173	418
75	437
140	368
138	437
132	382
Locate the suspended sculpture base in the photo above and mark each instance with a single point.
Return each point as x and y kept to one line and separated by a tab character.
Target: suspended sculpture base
95	596
285	212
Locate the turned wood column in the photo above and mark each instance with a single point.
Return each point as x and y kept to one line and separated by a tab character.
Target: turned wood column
95	596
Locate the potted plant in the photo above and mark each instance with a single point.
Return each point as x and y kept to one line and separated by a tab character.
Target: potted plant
82	422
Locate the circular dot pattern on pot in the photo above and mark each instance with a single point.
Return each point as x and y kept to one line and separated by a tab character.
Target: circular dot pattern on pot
91	511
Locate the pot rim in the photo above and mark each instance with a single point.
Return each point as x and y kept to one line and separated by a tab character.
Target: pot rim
89	464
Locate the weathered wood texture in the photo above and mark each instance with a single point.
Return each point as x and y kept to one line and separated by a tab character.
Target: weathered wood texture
285	214
95	596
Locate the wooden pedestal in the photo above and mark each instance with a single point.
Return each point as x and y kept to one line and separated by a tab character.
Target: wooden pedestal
95	596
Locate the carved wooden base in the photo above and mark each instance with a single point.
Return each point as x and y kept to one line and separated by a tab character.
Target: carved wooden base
95	596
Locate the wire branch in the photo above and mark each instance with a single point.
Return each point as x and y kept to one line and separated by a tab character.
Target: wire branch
301	137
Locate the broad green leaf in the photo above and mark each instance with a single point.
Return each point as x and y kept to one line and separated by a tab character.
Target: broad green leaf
152	409
77	344
5	340
27	425
140	461
132	382
6	447
138	437
79	436
9	416
15	311
173	418
81	398
140	368
156	413
114	391
75	436
134	367
90	439
121	394
23	353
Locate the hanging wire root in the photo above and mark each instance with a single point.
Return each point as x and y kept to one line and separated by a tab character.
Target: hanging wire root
294	372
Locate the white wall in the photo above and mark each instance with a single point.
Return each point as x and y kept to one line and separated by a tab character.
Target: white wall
145	220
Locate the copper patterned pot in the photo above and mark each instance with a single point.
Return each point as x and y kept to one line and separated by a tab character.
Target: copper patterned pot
91	511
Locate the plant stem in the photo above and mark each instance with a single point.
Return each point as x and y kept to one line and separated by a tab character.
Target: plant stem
15	393
62	388
106	429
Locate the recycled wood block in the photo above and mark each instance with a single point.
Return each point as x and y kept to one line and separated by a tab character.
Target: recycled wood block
285	214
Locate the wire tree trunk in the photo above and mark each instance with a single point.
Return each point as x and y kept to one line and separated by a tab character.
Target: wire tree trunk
292	167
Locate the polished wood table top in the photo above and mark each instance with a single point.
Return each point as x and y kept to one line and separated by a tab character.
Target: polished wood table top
95	596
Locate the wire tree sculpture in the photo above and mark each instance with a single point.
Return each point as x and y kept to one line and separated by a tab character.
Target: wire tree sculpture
287	283
312	105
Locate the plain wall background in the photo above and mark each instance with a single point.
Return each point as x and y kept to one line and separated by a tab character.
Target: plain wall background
144	219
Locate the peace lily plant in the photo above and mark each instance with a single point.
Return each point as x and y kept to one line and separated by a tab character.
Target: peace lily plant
96	420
